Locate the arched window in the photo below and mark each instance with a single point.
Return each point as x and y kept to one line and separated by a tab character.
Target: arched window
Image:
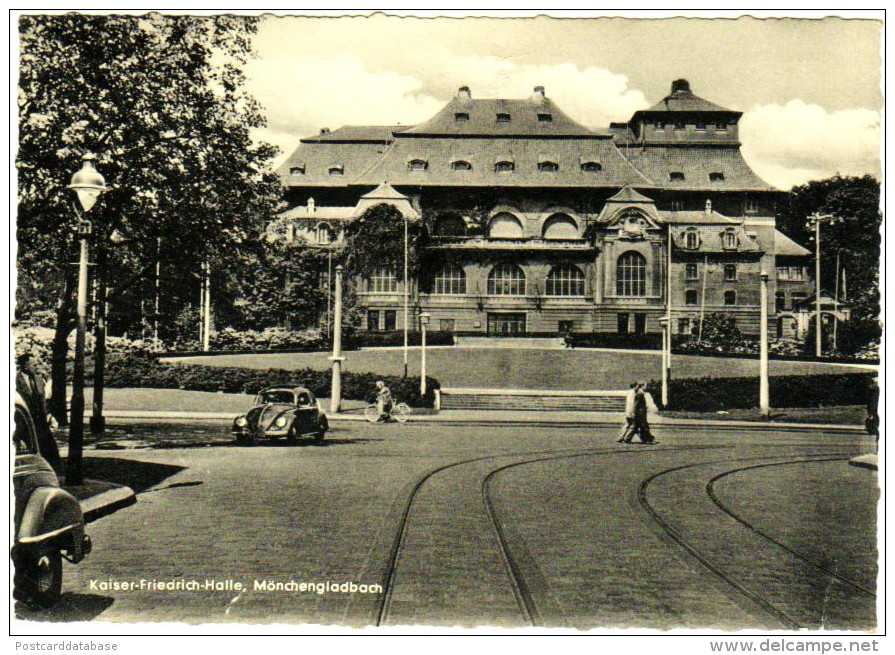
461	165
451	279
450	225
729	240
504	166
336	169
383	280
417	164
565	280
676	176
560	226
691	240
548	166
324	235
505	226
716	177
506	280
589	166
631	275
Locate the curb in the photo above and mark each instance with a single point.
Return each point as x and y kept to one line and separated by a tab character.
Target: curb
603	420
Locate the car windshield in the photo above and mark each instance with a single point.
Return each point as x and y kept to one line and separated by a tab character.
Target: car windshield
279	397
304	399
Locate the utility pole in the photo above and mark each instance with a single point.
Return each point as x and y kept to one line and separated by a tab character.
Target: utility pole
836	306
158	275
335	401
406	293
817	324
764	398
206	333
97	420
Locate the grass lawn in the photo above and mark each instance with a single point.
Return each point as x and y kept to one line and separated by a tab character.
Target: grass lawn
525	369
846	415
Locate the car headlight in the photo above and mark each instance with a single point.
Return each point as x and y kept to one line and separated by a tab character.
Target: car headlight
241	421
281	422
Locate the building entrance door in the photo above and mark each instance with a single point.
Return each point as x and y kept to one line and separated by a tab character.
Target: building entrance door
506	323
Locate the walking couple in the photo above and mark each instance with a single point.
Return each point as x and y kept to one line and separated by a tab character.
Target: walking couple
637	404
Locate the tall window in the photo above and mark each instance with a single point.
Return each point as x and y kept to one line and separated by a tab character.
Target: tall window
729	240
692	271
451	279
383	280
691	297
631	275
691	240
506	280
565	280
730	297
324	235
730	272
780	301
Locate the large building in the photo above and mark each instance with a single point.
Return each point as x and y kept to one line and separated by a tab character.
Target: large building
541	225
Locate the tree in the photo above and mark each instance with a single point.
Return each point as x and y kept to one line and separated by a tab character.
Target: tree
160	99
856	238
376	239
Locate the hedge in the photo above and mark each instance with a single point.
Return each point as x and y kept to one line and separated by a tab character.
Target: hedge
361	339
145	372
615	340
713	394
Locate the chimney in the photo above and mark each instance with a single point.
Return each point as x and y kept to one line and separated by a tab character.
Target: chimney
464	93
708	206
311	207
324	130
680	87
538	95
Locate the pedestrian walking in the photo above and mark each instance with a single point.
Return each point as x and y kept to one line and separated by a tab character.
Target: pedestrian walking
628	428
642	402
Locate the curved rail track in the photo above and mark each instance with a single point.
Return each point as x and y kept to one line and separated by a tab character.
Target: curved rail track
524	598
677	537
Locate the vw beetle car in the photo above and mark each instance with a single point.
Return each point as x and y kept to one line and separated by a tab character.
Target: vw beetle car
282	412
49	521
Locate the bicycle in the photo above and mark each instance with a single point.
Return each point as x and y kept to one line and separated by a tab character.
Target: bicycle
400	412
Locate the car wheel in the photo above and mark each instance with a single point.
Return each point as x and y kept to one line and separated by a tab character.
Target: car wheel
320	434
38	577
292	435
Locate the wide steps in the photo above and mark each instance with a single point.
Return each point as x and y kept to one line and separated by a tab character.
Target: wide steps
532	400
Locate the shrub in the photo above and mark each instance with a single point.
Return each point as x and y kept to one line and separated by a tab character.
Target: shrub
142	371
270	339
614	340
396	338
713	394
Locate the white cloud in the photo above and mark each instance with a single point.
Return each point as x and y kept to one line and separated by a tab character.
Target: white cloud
797	142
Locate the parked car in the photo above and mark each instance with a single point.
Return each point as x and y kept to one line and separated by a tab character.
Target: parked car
49	522
282	412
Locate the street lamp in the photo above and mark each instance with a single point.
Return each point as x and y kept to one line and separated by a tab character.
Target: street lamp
335	401
764	395
406	291
87	184
814	221
424	321
666	338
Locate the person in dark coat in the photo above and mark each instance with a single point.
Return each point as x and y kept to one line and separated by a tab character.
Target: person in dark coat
641	410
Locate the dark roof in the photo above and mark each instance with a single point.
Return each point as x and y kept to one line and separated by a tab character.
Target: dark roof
483	121
357	134
317	157
688	217
682	99
696	162
628	195
484	153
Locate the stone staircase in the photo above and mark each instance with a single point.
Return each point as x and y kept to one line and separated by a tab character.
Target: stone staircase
549	343
532	400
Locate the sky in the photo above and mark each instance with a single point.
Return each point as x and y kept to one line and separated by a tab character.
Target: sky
809	89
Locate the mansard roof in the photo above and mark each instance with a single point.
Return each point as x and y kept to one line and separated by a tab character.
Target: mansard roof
356	134
783	245
682	99
697	163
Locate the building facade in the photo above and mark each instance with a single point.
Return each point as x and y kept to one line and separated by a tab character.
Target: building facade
540	225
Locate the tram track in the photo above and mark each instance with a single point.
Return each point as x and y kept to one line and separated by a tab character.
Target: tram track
675	535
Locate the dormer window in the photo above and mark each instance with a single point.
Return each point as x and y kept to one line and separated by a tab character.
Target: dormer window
461	117
461	165
691	240
324	235
676	176
298	169
700	125
548	166
729	240
680	126
590	166
417	165
660	125
504	166
545	118
503	118
336	169
716	177
721	126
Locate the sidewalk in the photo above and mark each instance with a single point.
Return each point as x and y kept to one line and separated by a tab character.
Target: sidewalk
514	418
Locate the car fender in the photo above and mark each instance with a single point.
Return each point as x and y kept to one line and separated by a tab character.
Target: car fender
52	513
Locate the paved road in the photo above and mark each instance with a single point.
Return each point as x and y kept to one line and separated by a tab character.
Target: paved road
486	525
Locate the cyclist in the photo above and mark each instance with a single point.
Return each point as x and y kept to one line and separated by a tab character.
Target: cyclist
384	401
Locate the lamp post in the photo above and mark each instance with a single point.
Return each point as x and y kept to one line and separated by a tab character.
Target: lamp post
666	368
87	184
335	401
424	321
814	221
764	397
